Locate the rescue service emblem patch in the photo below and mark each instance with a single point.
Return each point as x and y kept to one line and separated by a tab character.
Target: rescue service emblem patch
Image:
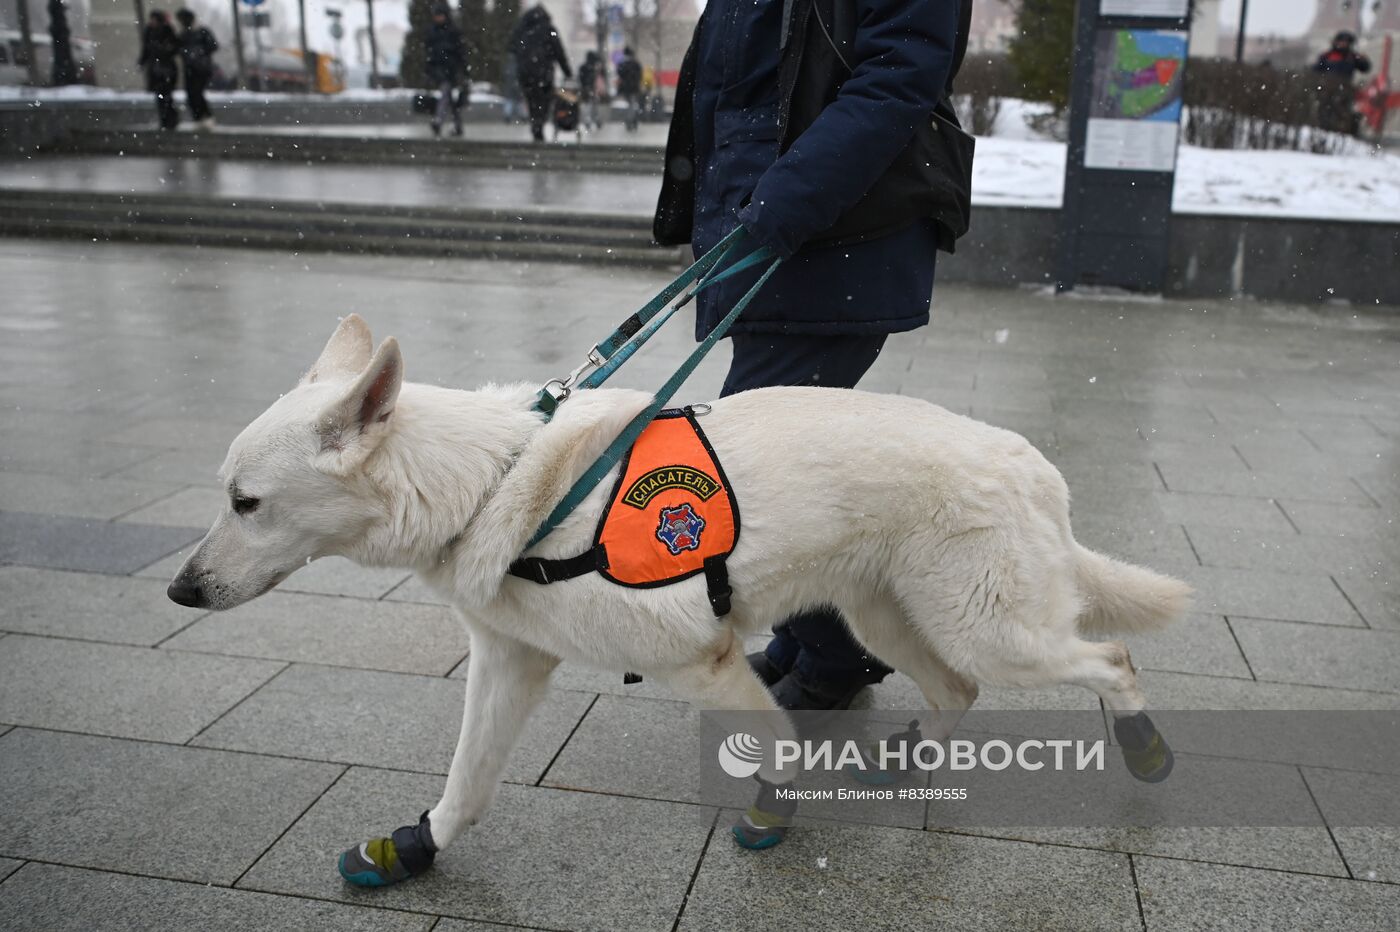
648	485
680	529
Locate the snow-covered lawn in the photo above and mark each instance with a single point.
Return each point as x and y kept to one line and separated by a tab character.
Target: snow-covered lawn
1030	173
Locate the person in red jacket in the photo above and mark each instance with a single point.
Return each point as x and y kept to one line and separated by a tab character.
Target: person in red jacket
1342	63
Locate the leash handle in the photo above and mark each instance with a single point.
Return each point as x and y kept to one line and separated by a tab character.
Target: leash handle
714	276
623	442
547	401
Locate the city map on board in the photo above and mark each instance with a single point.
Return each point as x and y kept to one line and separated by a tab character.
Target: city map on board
1138	75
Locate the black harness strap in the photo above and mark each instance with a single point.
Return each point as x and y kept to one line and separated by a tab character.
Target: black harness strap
717	584
540	570
595	558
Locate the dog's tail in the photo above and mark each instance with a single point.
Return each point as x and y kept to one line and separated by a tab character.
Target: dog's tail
1120	598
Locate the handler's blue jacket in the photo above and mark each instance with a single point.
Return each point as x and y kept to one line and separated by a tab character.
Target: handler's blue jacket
903	51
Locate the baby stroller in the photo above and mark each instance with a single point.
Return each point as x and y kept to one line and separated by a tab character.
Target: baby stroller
566	110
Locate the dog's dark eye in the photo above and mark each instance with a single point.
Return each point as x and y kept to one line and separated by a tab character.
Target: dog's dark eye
243	504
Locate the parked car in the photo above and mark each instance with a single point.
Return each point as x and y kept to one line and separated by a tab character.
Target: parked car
14	67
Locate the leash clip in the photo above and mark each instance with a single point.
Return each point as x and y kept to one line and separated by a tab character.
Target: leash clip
565	386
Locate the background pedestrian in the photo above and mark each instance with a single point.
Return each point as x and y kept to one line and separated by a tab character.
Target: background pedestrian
445	61
537	49
1337	98
629	86
592	88
160	49
64	71
197	48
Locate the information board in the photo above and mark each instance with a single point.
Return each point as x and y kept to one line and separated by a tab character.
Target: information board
1135	108
1175	9
1129	71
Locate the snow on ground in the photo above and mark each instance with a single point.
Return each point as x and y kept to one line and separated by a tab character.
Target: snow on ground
1030	173
1017	166
1018	172
1288	184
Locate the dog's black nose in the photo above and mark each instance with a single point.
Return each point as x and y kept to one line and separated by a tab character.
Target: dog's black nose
184	592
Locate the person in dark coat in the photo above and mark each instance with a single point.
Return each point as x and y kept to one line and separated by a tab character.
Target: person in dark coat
629	85
160	50
537	49
197	48
445	61
824	316
592	78
1341	63
64	71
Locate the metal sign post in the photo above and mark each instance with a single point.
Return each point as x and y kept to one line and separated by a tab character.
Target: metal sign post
337	31
307	61
373	47
238	44
1125	121
256	20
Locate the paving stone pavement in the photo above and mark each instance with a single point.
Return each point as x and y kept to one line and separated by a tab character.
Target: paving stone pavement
165	769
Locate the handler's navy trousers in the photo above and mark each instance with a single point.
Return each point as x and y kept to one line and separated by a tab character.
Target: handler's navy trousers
815	643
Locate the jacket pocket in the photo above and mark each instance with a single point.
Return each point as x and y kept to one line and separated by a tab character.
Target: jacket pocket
756	125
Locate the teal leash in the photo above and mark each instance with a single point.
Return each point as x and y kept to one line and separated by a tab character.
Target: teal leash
609	355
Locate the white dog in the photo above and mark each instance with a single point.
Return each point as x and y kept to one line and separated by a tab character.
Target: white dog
944	542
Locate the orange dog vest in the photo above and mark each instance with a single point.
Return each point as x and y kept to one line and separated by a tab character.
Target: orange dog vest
672	515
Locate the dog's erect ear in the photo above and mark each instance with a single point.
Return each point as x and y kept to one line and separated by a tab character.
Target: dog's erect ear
346	353
353	426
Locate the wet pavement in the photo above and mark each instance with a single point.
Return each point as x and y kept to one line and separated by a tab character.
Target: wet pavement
428	186
162	769
647	135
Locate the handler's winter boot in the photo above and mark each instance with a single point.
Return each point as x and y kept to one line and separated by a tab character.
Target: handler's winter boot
767	671
796	694
767	821
1145	751
383	861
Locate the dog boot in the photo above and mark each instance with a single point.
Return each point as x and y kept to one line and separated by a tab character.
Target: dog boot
1145	751
767	821
874	773
382	861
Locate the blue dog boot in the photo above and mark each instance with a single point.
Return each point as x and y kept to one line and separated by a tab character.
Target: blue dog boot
383	861
1145	751
767	821
874	773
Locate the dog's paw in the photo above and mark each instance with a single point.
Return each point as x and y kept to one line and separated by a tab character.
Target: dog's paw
384	861
897	748
1145	752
